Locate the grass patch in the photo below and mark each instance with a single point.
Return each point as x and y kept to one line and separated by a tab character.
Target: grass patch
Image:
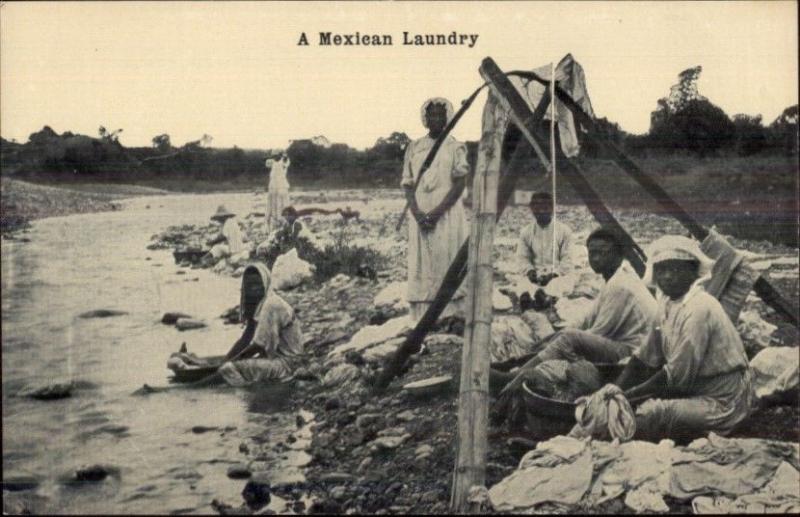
342	257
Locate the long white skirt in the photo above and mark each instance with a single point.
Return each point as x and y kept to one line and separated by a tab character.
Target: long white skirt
276	202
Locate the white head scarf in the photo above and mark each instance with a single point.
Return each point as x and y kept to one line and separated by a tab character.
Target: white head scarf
448	106
676	247
263	272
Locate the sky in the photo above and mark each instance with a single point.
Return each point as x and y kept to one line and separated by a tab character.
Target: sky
235	71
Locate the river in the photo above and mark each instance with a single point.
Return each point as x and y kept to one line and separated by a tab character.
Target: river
84	262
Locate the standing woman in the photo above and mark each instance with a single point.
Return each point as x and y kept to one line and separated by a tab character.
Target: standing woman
277	191
438	226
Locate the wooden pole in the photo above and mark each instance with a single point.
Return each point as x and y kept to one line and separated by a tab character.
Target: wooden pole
473	400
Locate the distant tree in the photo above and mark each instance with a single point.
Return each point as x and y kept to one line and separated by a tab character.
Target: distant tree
750	134
109	136
162	142
392	147
687	120
204	141
783	132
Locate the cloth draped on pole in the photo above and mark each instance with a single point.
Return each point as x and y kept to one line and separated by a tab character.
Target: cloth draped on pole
570	77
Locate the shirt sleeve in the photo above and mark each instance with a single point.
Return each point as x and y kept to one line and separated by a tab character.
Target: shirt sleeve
685	357
226	229
524	254
460	163
565	247
649	352
607	312
407	179
271	319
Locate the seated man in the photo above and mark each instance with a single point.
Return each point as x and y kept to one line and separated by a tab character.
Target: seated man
229	242
534	253
271	344
702	380
617	323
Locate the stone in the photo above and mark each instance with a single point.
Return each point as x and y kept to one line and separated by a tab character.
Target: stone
332	403
256	492
430	497
53	391
188	324
365	463
20	482
406	416
94	473
393	431
239	471
338	492
423	449
389	442
200	429
101	313
170	318
337	477
368	420
395	487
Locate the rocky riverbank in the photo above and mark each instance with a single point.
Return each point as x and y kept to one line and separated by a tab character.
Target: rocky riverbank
394	452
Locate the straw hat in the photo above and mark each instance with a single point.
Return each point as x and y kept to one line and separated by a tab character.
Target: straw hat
222	213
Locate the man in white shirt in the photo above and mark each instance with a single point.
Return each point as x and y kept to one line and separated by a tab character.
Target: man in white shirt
229	242
618	323
535	246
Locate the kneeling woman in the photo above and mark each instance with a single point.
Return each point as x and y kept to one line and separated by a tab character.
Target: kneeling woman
271	345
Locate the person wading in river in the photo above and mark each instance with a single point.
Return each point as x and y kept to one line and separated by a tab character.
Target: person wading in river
438	226
270	347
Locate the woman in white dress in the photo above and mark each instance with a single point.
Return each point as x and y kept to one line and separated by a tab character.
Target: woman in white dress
438	226
277	191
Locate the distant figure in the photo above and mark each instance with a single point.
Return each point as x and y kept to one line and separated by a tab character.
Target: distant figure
229	242
438	226
277	191
535	246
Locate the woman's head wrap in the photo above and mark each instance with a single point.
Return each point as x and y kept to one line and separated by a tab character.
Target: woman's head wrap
263	273
448	106
676	247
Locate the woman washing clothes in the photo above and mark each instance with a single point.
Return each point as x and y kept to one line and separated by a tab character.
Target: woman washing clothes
270	347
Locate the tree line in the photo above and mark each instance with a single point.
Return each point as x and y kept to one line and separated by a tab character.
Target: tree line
684	123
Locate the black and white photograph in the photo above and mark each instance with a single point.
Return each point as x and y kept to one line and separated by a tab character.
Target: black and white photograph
469	257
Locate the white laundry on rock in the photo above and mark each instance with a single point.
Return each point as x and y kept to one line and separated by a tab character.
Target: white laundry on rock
373	335
776	370
500	302
573	310
290	270
392	296
511	337
752	327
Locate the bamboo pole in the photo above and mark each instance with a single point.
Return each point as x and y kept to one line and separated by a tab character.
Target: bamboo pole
473	400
